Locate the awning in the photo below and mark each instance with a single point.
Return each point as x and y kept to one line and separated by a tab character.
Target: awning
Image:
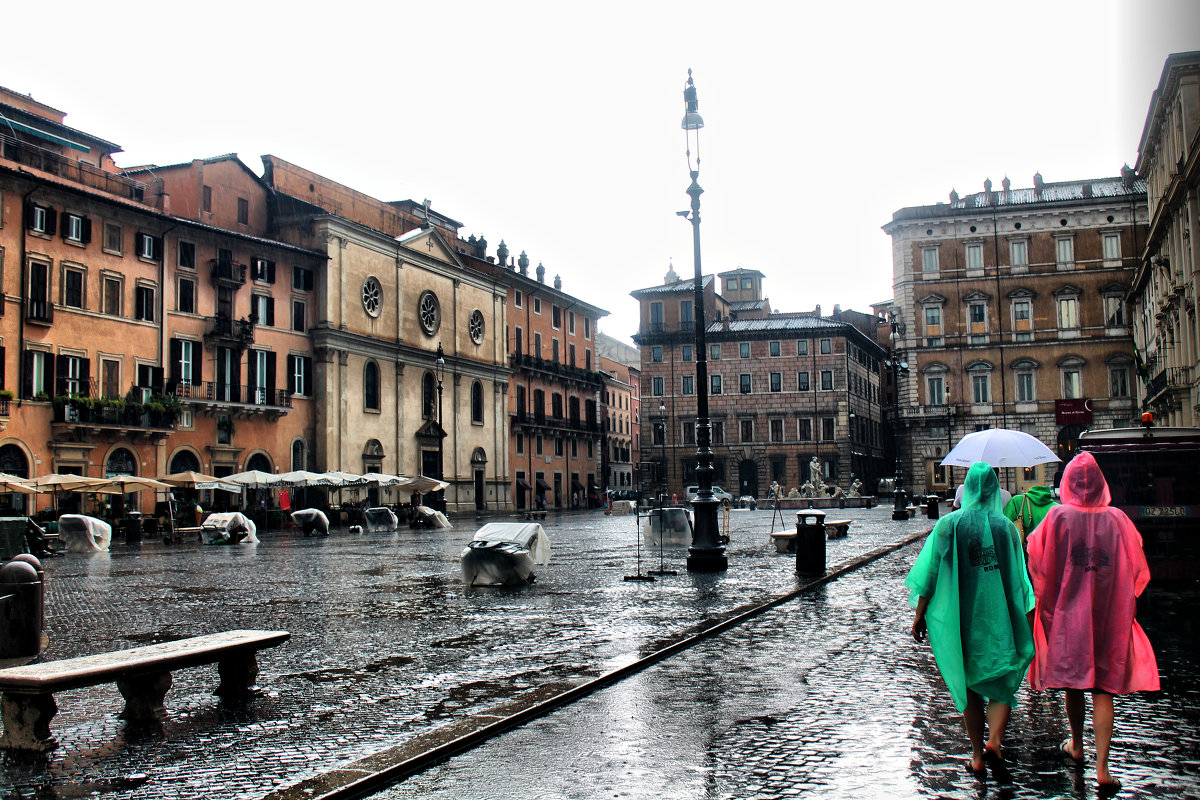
49	137
541	484
523	484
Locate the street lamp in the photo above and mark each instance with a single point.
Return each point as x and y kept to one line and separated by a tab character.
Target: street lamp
662	424
949	425
440	364
706	553
895	363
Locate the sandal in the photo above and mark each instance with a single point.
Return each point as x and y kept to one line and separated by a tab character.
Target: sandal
1065	749
996	762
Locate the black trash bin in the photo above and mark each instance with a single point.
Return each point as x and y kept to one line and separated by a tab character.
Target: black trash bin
133	526
931	506
21	610
810	542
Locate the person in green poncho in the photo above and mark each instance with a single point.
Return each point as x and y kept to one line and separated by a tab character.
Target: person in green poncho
973	597
1031	508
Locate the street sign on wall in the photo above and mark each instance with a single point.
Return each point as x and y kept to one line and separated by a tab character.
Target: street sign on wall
1073	412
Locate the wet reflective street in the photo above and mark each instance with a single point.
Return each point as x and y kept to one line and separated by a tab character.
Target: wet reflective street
825	693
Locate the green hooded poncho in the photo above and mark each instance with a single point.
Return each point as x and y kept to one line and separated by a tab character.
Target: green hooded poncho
1041	499
972	570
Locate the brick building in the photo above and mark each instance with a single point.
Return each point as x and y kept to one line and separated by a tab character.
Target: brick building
1010	311
620	410
784	387
134	330
1166	285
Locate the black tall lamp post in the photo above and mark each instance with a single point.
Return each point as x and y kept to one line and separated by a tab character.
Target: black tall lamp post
662	426
949	446
440	364
706	553
898	366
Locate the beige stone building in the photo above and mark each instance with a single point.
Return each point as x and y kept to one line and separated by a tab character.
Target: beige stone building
395	291
1167	282
1010	311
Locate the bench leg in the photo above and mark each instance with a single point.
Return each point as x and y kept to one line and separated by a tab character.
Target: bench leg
144	697
238	674
27	722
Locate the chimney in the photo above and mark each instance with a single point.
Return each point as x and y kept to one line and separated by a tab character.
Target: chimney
1006	184
987	185
1127	176
541	273
502	254
523	263
1038	183
558	282
818	310
837	309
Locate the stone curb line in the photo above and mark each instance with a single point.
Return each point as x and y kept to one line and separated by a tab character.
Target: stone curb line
380	770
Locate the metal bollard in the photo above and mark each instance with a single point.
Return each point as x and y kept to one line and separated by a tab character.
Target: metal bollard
931	506
21	611
810	542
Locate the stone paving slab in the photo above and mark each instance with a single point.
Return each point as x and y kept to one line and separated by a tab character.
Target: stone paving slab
386	644
826	696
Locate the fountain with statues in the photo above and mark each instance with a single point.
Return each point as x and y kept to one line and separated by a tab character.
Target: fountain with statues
816	493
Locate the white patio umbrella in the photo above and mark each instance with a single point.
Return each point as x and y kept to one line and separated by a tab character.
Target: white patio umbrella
255	479
999	447
198	480
340	479
11	483
127	484
383	479
302	477
423	484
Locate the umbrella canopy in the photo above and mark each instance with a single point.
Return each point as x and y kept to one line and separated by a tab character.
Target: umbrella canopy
423	484
343	479
11	483
67	482
303	477
254	479
999	447
126	484
198	480
383	479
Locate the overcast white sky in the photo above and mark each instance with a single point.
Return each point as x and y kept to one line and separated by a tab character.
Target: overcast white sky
555	125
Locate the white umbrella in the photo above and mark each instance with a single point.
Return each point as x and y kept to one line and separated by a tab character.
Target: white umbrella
255	479
343	479
383	479
423	484
302	477
11	483
128	484
999	447
198	480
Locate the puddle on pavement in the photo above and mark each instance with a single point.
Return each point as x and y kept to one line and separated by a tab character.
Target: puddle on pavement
156	637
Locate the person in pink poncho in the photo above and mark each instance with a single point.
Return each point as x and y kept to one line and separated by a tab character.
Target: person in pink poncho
1088	568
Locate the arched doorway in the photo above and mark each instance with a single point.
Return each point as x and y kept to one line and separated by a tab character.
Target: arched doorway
478	465
748	478
120	462
14	462
260	462
184	461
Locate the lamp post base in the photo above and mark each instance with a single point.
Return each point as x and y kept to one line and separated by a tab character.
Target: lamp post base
706	553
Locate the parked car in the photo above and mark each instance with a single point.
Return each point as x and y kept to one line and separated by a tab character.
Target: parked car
718	492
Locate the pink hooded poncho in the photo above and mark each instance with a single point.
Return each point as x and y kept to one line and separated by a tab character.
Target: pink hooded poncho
1088	568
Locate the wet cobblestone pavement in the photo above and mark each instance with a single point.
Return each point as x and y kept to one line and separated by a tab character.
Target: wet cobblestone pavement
826	696
386	644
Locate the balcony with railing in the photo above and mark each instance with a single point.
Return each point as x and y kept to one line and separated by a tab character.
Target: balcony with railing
39	158
39	310
229	332
542	420
520	360
232	397
83	409
1170	379
227	273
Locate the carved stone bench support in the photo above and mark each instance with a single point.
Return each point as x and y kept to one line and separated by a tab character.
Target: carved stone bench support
27	722
144	697
238	674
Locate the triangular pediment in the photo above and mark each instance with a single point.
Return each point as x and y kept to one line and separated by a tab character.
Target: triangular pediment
429	243
430	430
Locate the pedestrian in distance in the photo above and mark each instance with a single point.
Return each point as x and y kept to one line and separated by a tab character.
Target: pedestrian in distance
1029	509
1088	569
973	598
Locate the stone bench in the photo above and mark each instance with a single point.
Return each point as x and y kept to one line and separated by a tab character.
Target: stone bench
143	674
785	541
530	515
